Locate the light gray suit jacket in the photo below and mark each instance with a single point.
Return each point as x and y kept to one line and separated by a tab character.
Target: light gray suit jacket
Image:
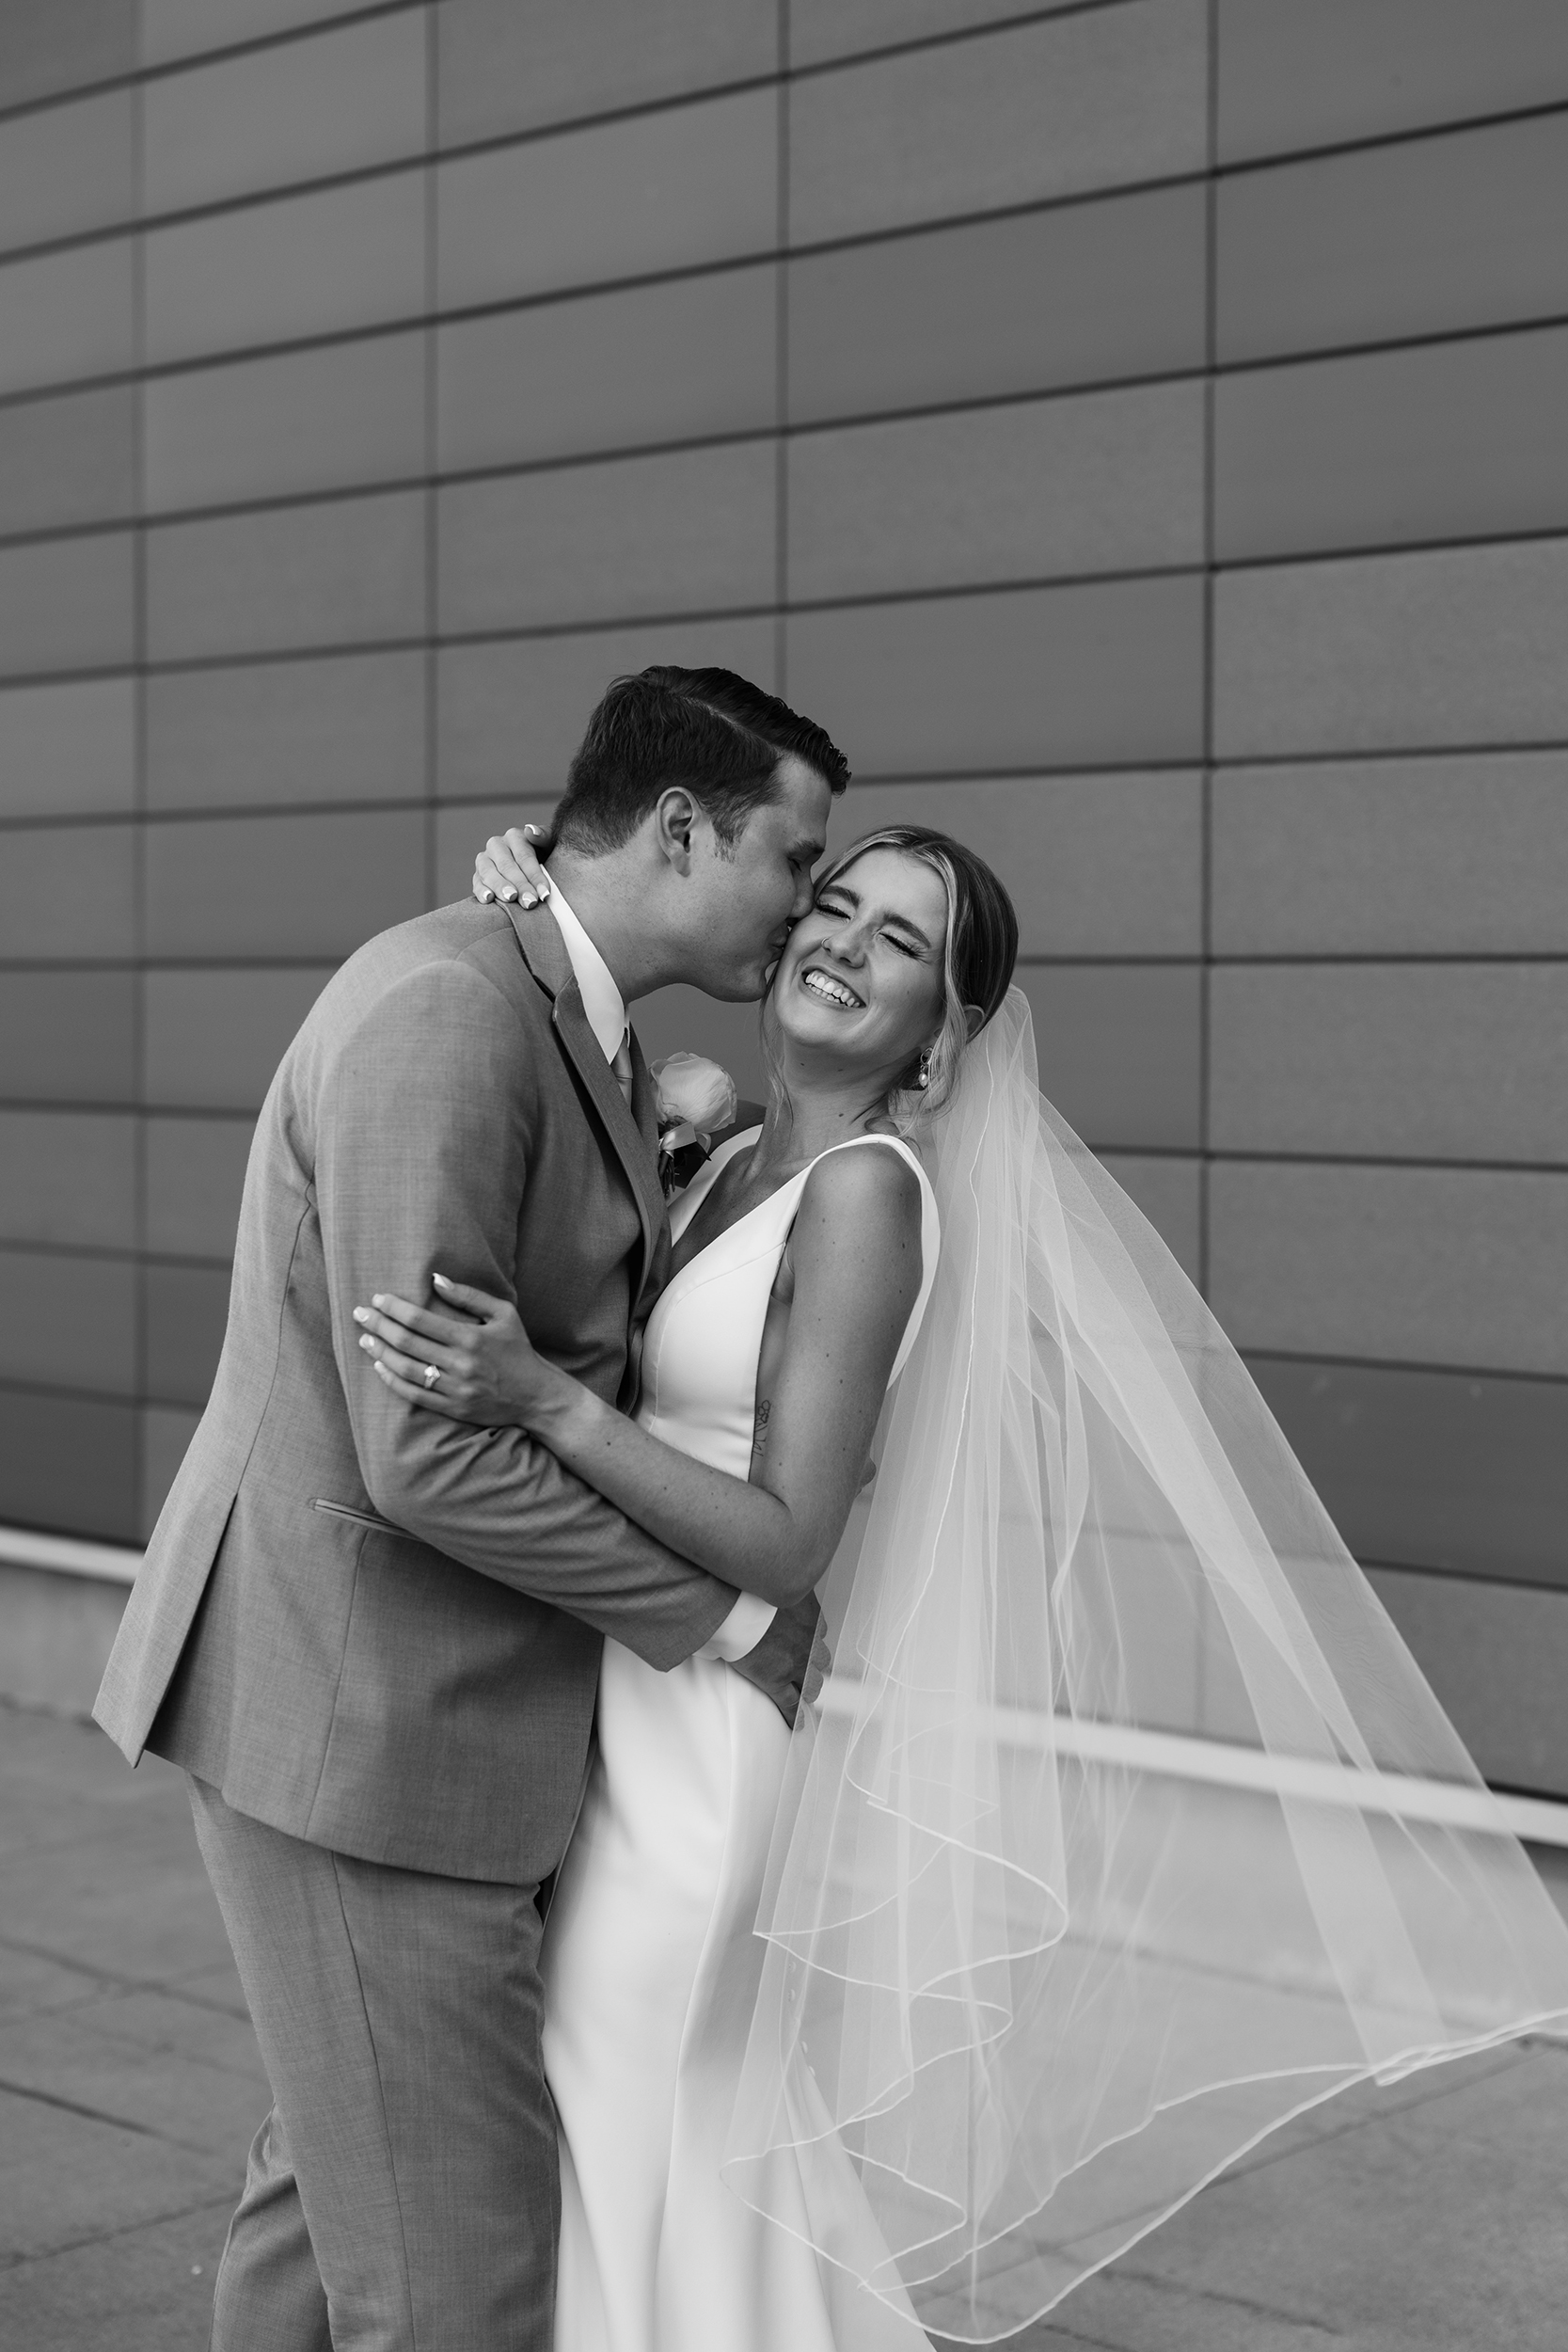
352	1617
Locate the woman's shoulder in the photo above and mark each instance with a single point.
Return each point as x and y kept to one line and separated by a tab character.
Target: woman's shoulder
853	1181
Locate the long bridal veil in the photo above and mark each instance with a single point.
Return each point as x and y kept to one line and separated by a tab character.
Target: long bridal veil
1125	1826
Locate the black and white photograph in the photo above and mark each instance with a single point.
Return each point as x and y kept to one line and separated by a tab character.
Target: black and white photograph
784	1175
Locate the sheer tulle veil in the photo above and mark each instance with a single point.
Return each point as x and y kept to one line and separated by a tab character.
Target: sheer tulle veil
1125	1826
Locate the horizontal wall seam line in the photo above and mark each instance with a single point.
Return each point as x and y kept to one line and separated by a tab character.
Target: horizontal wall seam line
201	1262
1353	755
127	227
126	1400
83	1106
421	160
155	517
128	1107
1486	1577
415	322
1428	339
124	1108
1220	1156
1406	136
132	964
1298	559
955	36
344	494
483	796
1046	769
1042	957
171	67
1421	958
92	820
416	158
563	125
1316	1357
48	102
1372	551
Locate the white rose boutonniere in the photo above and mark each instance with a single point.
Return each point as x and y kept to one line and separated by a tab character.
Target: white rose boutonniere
694	1097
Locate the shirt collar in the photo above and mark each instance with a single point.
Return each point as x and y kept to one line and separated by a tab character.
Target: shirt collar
602	1001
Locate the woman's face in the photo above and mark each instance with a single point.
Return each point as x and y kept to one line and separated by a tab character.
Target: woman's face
860	979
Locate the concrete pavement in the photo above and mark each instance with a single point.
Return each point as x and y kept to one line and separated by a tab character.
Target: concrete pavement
1429	2218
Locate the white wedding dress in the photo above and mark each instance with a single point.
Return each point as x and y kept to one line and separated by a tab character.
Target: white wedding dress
651	1966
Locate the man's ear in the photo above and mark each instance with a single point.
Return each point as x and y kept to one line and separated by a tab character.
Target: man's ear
674	815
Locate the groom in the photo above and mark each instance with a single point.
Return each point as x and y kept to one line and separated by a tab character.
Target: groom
370	1635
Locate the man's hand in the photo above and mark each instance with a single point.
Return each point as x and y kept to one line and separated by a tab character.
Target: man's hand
792	1659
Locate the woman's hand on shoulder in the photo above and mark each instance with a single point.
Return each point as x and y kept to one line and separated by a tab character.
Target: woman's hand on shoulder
509	865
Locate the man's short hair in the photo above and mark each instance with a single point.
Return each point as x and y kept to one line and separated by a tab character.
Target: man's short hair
709	730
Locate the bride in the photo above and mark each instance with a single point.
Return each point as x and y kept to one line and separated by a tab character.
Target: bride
1123	1828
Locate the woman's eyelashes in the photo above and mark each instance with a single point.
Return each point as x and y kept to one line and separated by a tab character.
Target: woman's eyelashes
842	914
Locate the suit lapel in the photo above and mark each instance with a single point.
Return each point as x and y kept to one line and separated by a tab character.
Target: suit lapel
645	1106
635	1138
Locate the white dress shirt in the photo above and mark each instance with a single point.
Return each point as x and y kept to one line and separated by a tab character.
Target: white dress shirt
606	1011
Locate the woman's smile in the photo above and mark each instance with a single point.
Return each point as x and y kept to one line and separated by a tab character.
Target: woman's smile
829	989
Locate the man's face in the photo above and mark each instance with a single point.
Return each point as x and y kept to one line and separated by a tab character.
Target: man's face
750	894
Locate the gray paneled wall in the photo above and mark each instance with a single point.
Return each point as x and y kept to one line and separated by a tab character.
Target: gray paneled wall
1136	429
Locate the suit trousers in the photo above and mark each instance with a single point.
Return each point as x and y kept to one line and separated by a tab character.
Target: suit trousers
404	2195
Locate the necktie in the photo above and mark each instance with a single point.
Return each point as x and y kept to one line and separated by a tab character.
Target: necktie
622	1066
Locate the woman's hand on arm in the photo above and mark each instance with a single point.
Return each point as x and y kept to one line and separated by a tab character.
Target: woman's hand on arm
474	1364
509	865
856	1255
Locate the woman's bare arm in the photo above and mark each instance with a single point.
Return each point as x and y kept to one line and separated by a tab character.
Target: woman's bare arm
856	1254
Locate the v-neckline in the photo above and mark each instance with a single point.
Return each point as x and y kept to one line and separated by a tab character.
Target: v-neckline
731	1151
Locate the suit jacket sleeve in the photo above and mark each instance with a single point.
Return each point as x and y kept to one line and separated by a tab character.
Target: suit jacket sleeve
420	1163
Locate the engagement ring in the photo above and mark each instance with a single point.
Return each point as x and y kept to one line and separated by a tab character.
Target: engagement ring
432	1373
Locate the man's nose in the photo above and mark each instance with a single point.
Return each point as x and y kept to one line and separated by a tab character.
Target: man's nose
804	898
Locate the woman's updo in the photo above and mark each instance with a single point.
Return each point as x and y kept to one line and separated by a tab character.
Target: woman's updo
978	957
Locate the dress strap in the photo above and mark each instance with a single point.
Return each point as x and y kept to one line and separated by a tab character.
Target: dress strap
931	1233
785	1203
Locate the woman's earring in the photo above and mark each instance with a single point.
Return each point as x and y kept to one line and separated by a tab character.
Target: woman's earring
925	1078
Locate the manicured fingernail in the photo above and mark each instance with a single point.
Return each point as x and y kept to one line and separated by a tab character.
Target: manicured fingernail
543	890
509	892
486	898
442	1280
528	900
531	831
368	1345
378	1299
361	1314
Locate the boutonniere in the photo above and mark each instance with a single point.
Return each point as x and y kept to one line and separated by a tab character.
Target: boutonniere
693	1097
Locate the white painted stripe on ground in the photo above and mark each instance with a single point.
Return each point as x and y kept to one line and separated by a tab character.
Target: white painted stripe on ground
1216	1762
68	1555
1224	1764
